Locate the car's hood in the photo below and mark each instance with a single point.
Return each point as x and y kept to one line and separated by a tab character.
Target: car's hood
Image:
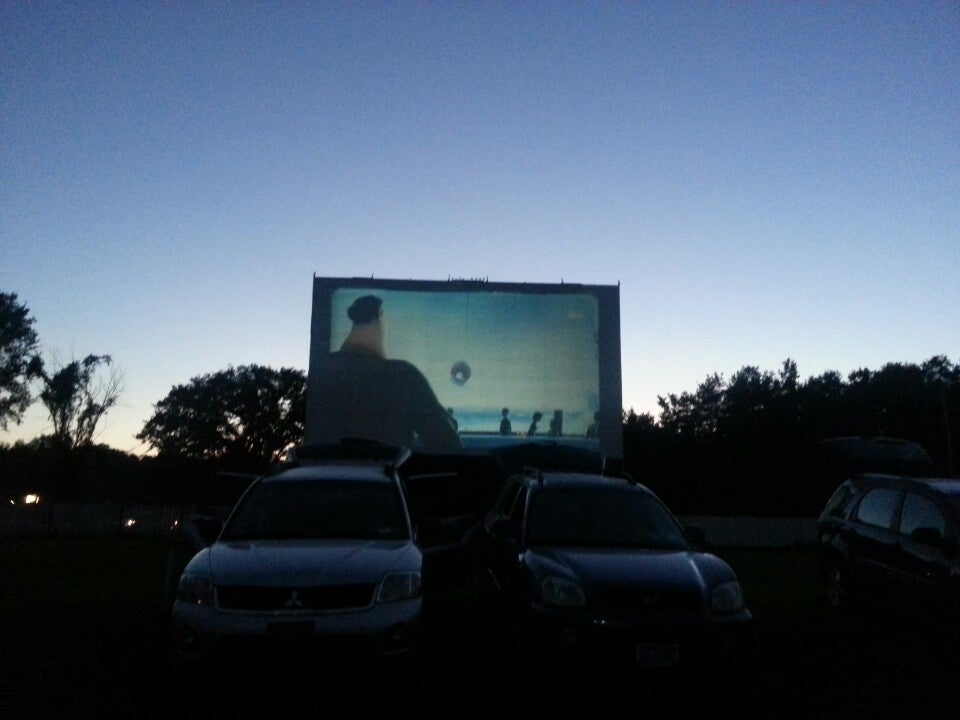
308	562
667	570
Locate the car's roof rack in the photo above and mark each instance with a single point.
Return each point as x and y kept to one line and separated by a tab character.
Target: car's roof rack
533	472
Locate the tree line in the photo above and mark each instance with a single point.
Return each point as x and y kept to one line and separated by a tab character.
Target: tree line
752	442
743	444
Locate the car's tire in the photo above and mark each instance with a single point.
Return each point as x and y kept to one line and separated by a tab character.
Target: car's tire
836	587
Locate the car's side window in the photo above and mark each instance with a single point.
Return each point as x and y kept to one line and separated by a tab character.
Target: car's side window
878	507
921	513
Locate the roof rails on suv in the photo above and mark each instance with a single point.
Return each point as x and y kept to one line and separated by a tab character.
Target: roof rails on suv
536	472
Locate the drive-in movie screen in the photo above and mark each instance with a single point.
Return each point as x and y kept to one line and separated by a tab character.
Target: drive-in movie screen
460	365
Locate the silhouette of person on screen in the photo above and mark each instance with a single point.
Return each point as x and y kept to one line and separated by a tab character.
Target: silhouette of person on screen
554	430
532	430
506	427
363	394
593	430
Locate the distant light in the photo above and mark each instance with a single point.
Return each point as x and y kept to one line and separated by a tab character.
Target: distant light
31	499
13	502
129	522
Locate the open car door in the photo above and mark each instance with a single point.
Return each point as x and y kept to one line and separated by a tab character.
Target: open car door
448	496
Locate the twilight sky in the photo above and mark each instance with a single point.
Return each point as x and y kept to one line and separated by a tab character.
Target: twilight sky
764	180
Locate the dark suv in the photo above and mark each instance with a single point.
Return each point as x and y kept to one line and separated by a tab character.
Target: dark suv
891	541
596	568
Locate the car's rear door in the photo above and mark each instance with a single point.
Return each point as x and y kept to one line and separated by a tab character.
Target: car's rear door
925	553
873	542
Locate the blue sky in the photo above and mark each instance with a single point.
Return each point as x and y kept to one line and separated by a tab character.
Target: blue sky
764	180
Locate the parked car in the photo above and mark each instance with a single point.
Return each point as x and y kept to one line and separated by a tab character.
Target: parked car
891	541
320	555
845	457
593	568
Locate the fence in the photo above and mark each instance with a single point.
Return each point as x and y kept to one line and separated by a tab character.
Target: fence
104	520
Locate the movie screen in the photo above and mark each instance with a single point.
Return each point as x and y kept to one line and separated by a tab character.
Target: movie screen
445	371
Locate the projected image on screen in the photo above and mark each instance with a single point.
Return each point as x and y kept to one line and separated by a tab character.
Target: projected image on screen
440	371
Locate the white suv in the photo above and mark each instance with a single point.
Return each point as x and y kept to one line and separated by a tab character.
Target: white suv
319	555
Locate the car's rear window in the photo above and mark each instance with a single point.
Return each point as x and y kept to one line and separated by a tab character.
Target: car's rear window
328	509
602	517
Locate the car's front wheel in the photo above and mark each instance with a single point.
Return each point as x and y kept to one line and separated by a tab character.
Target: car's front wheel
837	588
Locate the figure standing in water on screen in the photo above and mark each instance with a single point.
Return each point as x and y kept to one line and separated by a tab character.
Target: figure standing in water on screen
506	428
593	430
554	430
537	417
363	394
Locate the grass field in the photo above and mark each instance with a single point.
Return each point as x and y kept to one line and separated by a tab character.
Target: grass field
82	633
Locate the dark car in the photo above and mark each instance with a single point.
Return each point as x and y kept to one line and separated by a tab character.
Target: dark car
890	541
841	458
594	568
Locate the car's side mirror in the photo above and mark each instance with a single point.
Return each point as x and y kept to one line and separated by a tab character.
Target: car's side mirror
697	535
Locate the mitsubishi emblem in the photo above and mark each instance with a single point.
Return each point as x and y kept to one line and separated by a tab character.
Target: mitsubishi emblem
294	602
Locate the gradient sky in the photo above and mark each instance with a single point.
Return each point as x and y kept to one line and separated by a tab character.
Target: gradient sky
763	180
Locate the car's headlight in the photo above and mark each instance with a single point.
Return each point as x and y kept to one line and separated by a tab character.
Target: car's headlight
562	592
726	597
399	586
195	589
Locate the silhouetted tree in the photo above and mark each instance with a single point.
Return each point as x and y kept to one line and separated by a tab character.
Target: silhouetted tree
697	414
820	401
93	472
642	422
243	417
19	360
750	444
77	396
944	381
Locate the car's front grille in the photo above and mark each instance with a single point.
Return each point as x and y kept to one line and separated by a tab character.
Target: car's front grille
267	599
647	602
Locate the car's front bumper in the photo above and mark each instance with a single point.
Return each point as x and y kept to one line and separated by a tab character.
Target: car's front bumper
383	629
685	642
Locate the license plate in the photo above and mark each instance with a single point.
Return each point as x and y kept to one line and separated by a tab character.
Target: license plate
290	629
658	655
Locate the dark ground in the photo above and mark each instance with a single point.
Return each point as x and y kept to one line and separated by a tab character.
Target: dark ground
82	635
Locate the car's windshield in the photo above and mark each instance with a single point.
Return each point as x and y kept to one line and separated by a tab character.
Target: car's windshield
602	517
953	503
323	509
